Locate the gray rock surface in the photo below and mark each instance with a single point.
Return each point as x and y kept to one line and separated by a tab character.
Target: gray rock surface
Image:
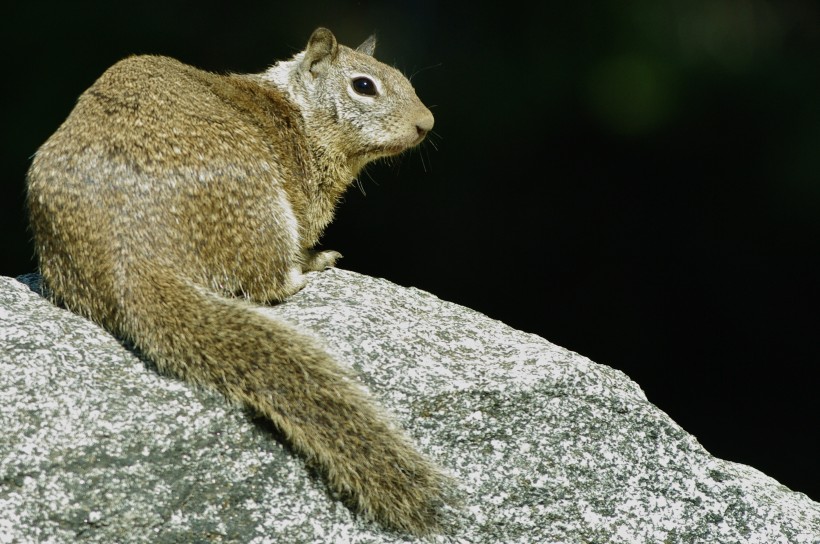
546	445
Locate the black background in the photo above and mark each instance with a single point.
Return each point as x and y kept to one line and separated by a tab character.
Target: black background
636	181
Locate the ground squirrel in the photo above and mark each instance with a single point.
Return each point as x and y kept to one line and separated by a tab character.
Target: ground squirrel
172	199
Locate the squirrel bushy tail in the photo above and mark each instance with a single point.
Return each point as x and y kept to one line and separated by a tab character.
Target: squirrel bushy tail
285	376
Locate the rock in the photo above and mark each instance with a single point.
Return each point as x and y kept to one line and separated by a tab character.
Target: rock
546	445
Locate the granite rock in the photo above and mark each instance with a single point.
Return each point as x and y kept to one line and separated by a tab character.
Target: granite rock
545	445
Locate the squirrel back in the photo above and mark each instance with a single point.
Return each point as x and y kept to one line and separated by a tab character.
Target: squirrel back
170	195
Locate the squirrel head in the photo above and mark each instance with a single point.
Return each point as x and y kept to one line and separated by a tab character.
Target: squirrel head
350	100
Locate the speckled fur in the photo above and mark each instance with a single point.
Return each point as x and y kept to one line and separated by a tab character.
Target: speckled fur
169	191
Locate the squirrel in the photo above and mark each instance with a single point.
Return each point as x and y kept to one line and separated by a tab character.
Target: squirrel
172	199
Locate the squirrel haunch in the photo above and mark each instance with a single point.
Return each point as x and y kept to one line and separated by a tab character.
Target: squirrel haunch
168	191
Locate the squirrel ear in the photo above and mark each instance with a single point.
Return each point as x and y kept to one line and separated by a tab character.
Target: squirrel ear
368	47
321	50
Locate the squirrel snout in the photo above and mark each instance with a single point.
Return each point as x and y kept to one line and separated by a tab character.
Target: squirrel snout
424	124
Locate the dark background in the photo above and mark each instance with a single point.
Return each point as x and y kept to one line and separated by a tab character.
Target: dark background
636	181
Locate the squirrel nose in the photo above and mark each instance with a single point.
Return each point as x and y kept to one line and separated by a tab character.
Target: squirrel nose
424	123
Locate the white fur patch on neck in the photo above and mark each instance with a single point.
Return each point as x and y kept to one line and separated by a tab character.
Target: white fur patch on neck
283	75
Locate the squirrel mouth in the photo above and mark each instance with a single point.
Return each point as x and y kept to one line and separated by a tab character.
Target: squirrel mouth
395	149
388	150
420	138
392	148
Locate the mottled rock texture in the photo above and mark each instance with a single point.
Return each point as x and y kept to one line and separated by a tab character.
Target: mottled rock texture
546	446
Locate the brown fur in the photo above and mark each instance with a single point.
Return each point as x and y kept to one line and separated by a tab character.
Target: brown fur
169	190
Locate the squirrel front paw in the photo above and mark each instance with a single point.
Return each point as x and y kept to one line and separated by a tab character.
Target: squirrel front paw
320	260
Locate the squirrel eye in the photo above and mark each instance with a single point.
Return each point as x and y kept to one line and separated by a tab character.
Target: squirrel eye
364	86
